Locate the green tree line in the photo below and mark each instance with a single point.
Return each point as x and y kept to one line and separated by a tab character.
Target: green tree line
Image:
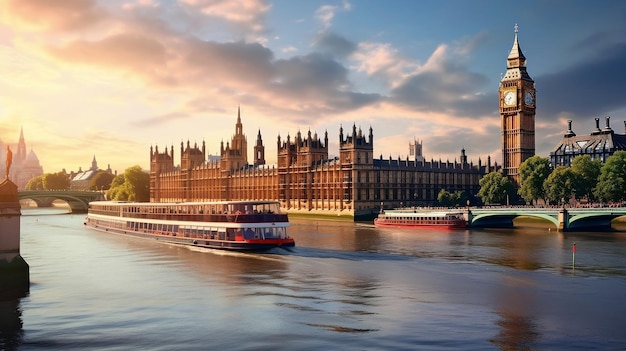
586	179
132	185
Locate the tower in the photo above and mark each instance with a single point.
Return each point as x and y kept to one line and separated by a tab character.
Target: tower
235	155
517	112
159	163
259	151
415	151
94	164
20	154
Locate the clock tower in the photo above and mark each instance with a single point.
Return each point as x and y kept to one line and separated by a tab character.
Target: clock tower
517	112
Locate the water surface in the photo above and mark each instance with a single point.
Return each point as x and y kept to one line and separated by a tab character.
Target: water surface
345	286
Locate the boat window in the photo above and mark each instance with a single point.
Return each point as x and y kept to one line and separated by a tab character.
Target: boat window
249	233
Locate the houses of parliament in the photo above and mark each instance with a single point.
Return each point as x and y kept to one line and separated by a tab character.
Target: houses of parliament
356	183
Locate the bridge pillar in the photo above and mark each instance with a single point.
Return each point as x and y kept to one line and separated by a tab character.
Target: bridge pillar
468	216
14	271
563	218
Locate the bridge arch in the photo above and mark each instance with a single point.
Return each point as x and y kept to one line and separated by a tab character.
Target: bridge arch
77	200
590	221
505	220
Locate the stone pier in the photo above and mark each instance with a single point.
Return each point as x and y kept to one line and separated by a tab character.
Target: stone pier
14	271
563	220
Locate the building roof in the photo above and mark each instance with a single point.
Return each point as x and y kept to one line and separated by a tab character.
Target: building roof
84	175
599	140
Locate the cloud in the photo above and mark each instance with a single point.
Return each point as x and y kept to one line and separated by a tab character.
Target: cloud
131	52
246	15
445	84
383	62
326	13
334	45
54	16
592	87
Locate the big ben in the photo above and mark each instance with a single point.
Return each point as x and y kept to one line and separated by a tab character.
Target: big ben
517	112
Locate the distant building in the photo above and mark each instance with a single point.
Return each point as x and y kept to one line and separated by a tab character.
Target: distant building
599	144
305	179
80	180
25	165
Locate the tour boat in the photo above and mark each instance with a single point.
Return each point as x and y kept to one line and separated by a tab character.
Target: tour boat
410	218
226	225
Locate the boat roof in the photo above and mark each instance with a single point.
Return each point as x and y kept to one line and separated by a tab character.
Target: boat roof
237	202
423	213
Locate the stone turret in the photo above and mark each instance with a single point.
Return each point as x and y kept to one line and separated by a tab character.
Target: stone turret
259	151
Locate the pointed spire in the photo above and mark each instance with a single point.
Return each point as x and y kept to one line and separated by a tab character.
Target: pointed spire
516	54
238	125
21	147
259	139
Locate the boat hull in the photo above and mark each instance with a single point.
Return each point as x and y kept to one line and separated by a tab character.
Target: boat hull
254	245
380	223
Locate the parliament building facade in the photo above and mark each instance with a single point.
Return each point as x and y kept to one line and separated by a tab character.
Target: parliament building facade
306	179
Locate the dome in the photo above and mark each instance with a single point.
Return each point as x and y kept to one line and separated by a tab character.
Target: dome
31	159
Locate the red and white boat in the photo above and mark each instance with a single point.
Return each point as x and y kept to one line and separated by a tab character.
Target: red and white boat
226	225
411	218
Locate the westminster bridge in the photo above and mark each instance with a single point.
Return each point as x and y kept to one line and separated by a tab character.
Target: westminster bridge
592	219
77	200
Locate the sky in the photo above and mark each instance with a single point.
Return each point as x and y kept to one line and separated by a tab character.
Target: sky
110	79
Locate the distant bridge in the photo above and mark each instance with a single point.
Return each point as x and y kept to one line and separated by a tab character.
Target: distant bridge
77	200
564	219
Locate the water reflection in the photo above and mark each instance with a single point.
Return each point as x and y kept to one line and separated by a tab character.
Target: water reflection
517	333
516	309
531	247
11	333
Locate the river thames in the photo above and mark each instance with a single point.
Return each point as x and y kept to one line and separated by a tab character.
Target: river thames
344	286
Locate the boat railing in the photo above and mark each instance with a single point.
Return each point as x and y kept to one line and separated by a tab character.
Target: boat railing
199	217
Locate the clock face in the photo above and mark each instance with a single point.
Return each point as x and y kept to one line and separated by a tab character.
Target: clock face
528	99
509	98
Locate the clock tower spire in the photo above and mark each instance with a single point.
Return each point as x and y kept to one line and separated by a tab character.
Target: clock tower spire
517	112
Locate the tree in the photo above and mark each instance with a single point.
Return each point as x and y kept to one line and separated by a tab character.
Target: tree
560	186
118	190
133	185
444	198
532	173
447	199
611	182
461	198
35	183
101	181
56	181
588	171
494	188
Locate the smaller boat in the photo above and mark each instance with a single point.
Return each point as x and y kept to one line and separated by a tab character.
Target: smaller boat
412	218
